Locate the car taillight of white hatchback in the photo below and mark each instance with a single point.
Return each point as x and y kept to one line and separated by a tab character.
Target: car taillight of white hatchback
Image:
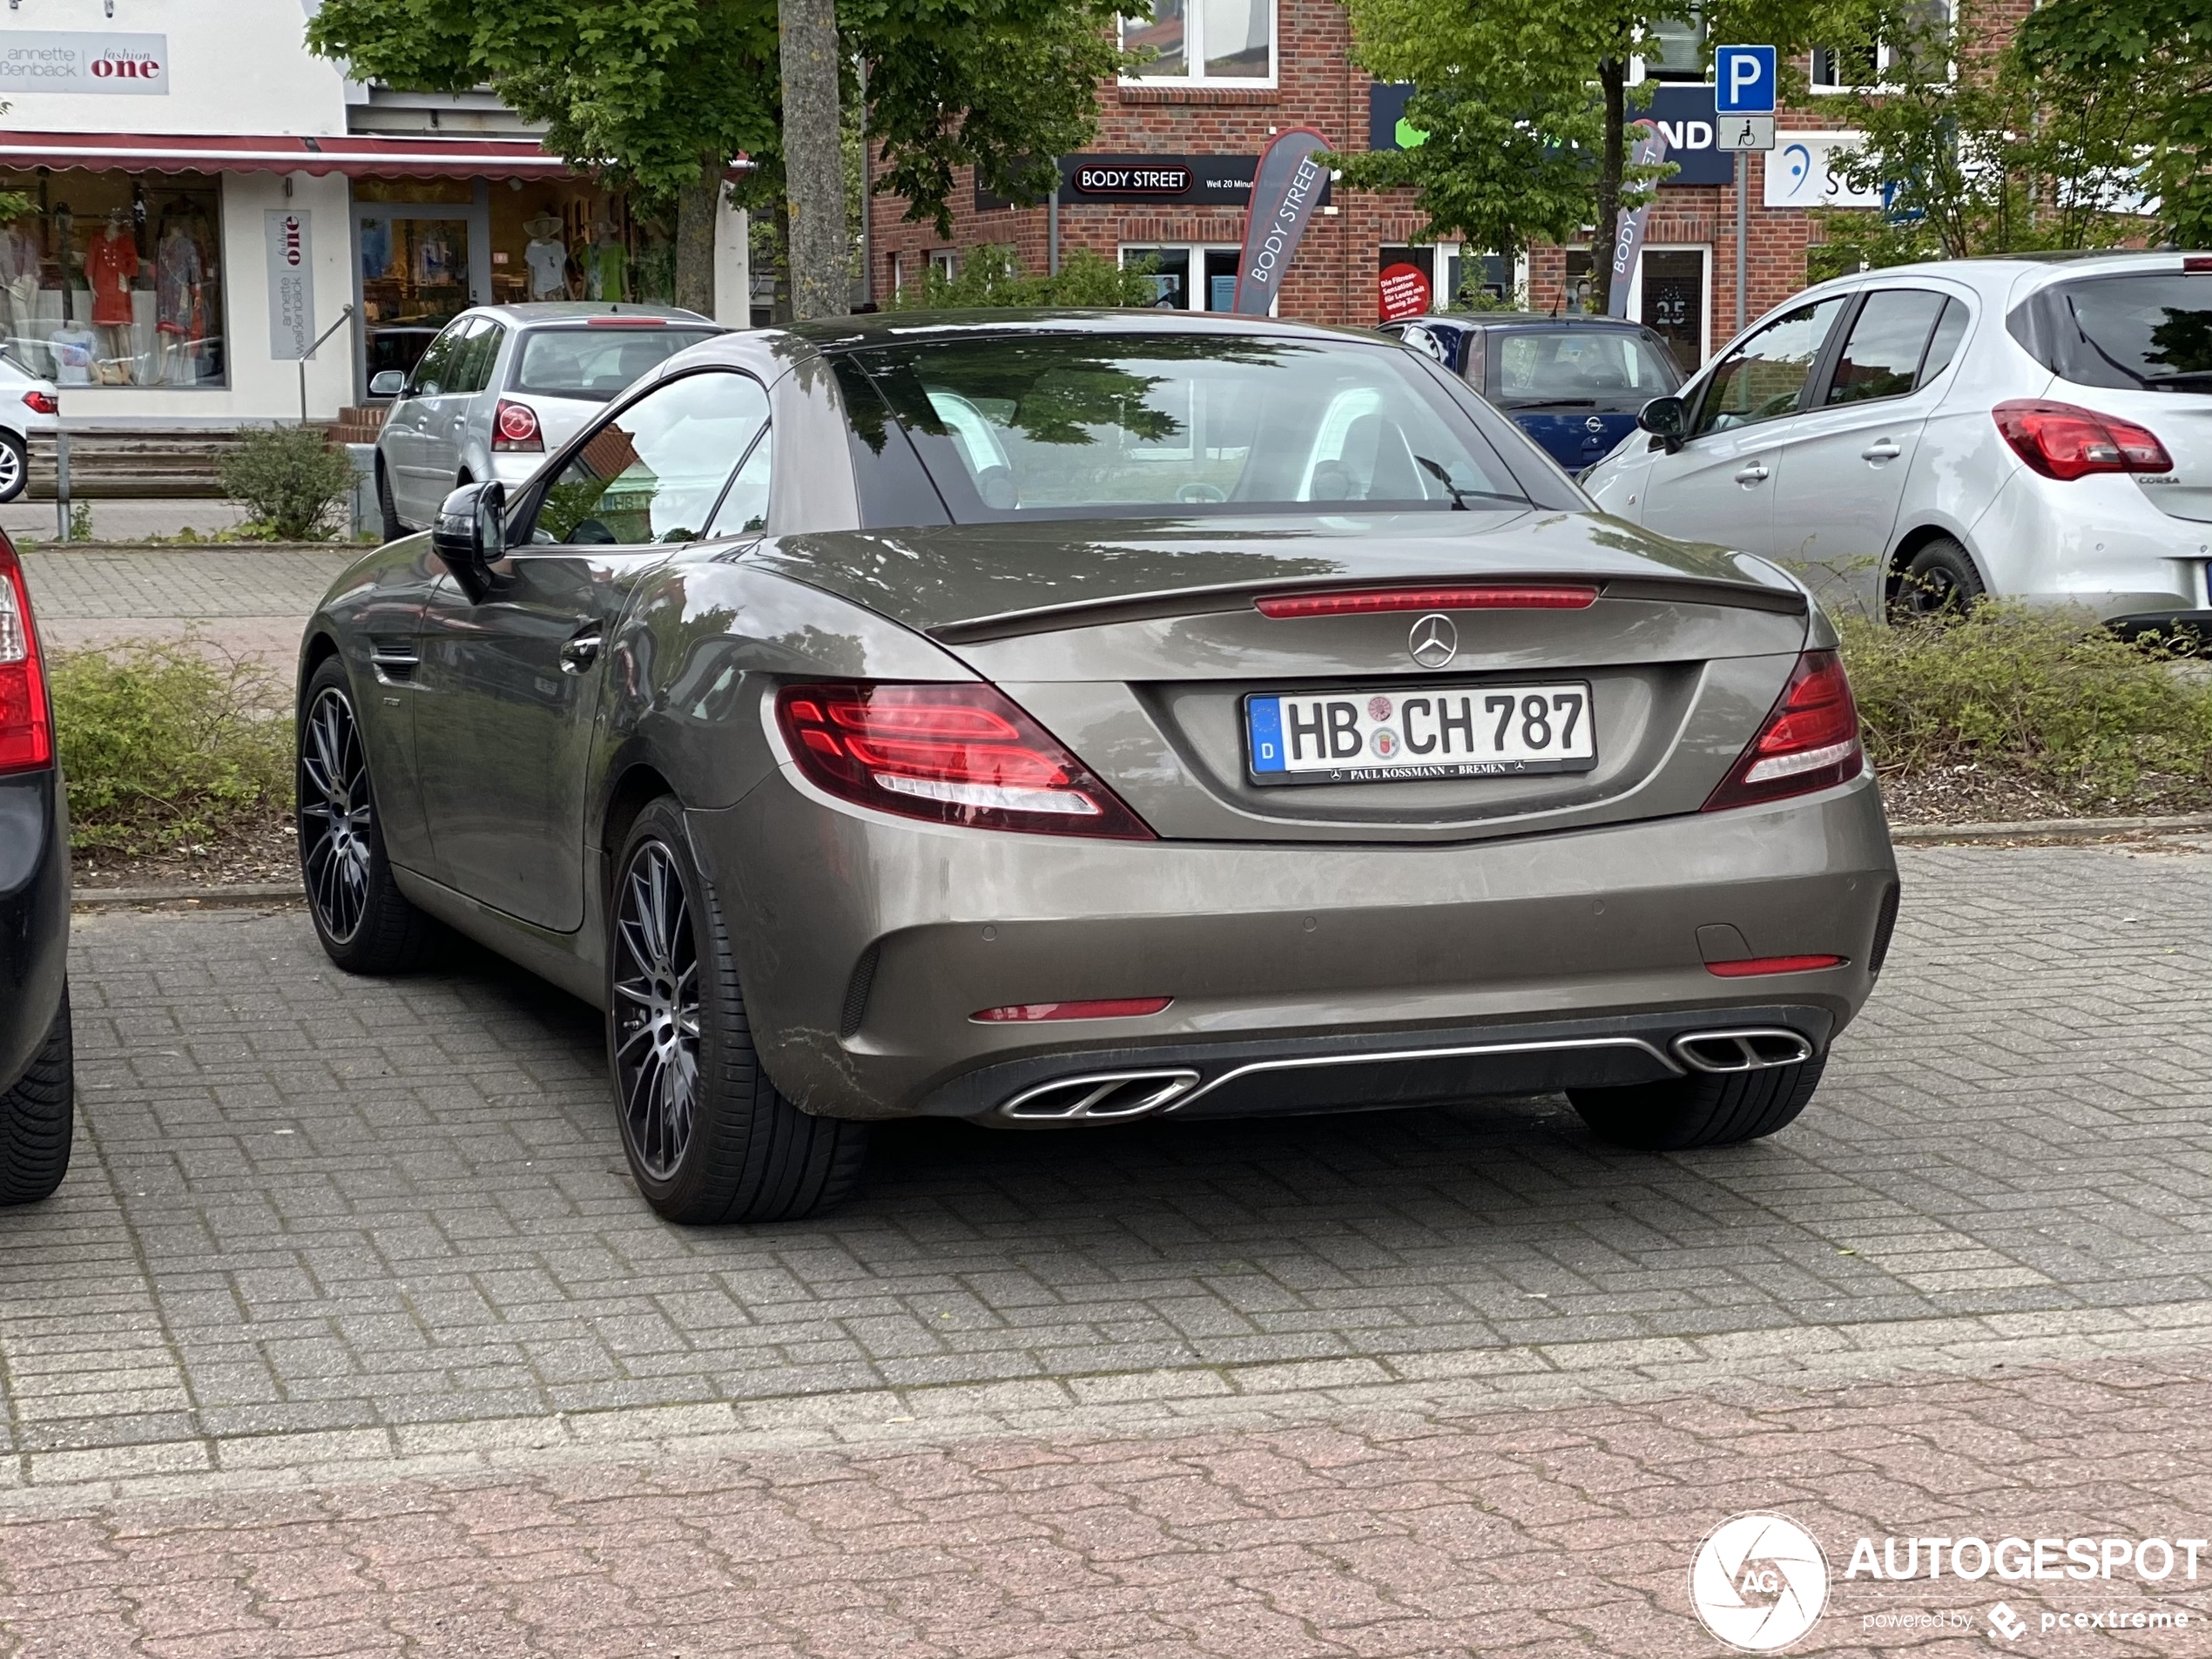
26	738
2065	442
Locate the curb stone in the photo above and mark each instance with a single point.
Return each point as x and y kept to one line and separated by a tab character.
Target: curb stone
226	893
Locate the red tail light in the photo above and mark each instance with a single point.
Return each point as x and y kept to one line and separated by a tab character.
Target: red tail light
1752	966
957	754
40	402
1809	740
513	426
2061	441
26	728
1369	601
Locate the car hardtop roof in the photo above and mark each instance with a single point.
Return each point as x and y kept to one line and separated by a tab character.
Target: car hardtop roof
893	327
1528	319
535	312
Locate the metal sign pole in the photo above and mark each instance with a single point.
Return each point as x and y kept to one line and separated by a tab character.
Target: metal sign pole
1742	169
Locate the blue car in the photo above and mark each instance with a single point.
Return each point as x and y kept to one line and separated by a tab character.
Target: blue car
1573	383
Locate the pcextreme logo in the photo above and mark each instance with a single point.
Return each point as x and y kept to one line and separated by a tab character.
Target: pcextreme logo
1759	1582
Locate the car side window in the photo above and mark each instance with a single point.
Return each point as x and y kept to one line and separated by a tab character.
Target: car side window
1765	378
1881	356
477	354
1943	346
745	504
652	472
1478	363
433	370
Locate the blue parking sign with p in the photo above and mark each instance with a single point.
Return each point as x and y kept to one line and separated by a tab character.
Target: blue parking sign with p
1744	80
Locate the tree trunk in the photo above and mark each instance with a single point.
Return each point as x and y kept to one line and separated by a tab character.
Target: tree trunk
1613	79
697	207
813	159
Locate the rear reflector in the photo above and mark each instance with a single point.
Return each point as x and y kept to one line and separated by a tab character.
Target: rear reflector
1111	1008
26	731
1370	601
954	753
1752	965
1809	740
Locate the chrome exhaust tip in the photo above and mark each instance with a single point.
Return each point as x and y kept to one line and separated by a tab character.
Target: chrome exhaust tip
1099	1096
1756	1048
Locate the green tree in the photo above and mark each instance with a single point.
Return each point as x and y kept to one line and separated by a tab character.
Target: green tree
992	275
660	95
2156	56
1977	151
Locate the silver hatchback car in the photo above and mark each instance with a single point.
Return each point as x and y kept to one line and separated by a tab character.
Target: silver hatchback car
502	384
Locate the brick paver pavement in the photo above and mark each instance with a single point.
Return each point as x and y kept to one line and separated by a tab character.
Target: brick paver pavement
250	601
348	1331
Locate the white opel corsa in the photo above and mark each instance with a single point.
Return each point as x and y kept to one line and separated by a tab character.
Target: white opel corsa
2036	427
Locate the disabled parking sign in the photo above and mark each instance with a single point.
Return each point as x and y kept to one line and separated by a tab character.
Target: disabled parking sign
1744	81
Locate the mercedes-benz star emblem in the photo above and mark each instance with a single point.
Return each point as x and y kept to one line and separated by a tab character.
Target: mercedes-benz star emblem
1596	423
1434	642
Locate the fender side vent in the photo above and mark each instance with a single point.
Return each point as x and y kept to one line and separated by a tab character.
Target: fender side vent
856	993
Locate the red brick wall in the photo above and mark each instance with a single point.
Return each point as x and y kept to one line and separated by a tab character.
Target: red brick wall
1332	280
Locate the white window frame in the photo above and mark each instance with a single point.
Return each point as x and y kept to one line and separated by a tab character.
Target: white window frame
945	261
1194	55
1705	296
1885	56
1198	251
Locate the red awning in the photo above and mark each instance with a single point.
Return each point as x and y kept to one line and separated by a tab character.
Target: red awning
431	156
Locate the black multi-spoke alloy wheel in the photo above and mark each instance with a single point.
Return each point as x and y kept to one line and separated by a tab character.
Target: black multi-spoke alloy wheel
1704	1108
36	1115
387	508
15	466
708	1137
1941	581
365	922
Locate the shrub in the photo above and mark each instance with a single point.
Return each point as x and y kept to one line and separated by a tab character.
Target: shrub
289	478
2041	693
163	746
992	275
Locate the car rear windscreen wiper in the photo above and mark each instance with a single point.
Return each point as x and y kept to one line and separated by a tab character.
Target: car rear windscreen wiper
2180	376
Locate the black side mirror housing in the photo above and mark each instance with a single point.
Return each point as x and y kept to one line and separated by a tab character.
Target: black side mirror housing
1667	418
470	536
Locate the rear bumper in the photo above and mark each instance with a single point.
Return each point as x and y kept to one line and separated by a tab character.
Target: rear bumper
2095	542
34	915
865	944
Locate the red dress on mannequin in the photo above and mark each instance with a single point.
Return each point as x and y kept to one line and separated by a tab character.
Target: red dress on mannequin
110	263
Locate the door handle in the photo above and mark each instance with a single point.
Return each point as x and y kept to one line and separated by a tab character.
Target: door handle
579	653
1880	450
1753	474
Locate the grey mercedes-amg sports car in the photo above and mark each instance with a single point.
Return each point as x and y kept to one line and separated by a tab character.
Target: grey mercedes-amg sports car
1065	719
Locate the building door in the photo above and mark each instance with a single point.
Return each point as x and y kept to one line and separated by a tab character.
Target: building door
1671	301
418	265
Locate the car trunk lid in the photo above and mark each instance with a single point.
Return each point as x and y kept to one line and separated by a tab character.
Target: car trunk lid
1140	645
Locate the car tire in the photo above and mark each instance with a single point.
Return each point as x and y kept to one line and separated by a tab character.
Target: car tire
710	1139
386	507
1706	1109
37	1116
366	924
15	466
1941	581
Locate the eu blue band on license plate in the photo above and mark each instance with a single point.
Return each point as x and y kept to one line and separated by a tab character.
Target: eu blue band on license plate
1402	735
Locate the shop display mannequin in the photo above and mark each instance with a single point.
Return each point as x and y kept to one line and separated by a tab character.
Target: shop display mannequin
180	273
19	260
111	262
547	256
606	264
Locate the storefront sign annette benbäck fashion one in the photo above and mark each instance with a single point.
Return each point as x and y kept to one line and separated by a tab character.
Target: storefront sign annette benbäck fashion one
292	283
37	60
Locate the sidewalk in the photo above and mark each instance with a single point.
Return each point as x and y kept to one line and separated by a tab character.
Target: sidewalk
25	520
247	601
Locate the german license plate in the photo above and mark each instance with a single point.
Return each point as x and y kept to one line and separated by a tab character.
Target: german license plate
1436	731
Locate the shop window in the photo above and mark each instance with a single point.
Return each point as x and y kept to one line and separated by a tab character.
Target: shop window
115	278
1409	279
1672	303
1188	277
1579	293
1226	41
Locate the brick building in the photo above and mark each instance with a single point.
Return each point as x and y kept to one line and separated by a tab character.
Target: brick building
1207	107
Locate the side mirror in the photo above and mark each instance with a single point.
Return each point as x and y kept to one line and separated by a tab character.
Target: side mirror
1667	418
387	382
470	536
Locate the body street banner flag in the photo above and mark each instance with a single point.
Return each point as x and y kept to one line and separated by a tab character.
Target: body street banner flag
1650	150
1285	188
